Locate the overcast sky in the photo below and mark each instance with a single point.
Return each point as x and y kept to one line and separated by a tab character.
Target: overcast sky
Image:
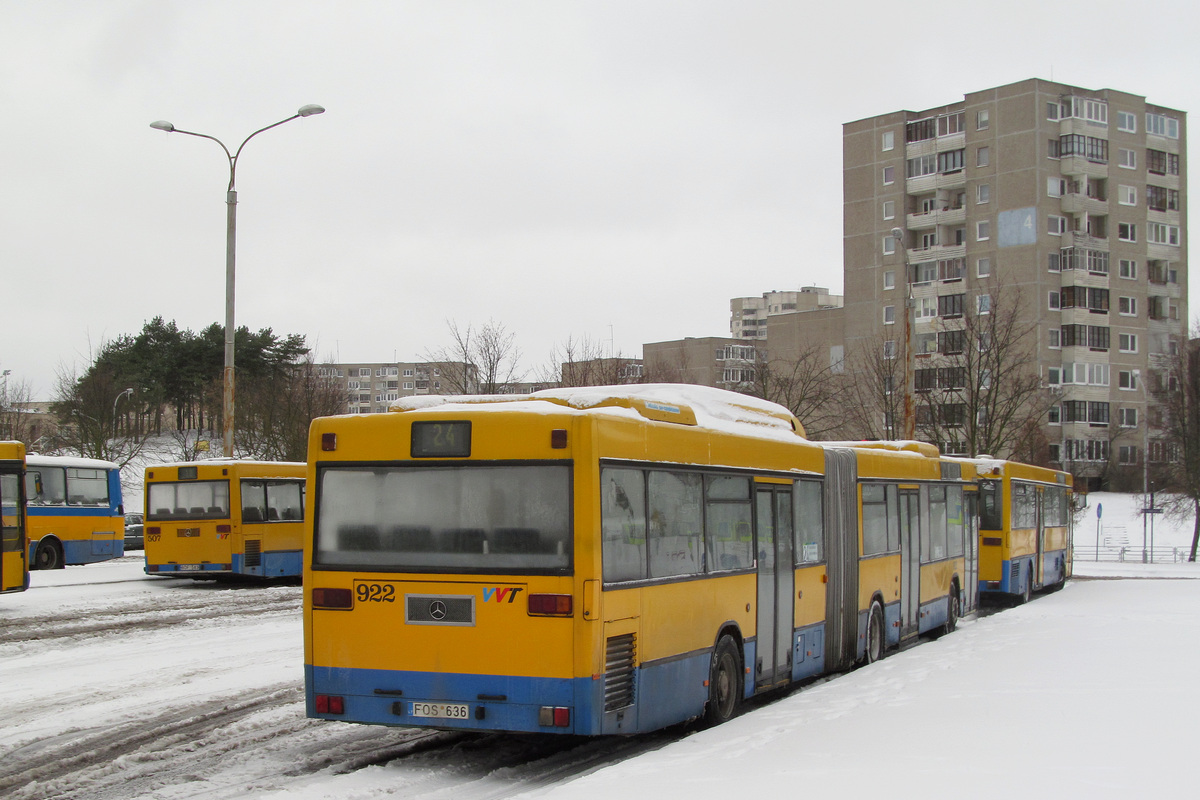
609	170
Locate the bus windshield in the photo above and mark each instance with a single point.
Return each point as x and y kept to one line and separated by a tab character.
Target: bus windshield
446	519
190	500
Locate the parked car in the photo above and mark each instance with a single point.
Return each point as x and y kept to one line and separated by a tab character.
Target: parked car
133	532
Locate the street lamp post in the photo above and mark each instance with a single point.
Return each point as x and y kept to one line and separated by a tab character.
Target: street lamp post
910	426
230	239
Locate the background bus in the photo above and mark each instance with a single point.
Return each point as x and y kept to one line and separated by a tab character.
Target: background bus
1025	529
221	518
610	560
74	513
14	564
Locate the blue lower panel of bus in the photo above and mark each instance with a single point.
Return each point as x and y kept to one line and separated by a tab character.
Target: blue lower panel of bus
88	551
492	702
1016	573
272	564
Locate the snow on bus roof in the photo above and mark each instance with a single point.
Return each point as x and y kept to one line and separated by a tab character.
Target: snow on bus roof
713	408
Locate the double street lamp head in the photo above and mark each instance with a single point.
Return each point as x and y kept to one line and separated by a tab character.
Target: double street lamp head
305	111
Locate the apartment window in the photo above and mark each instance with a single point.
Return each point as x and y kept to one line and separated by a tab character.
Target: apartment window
1054	301
889	315
1055	187
1127	195
1127	454
1097	375
950	161
889	349
1053	150
922	165
949	124
1160	198
1054	262
1053	110
1127	306
1126	158
889	209
1053	338
408	385
1091	110
1161	125
950	305
926	309
983	193
1127	342
982	157
983	230
1054	417
920	130
952	342
1127	379
951	269
1090	147
889	279
1128	269
889	175
889	140
1158	233
981	120
408	373
1055	225
889	245
1126	122
1127	231
983	267
926	271
983	304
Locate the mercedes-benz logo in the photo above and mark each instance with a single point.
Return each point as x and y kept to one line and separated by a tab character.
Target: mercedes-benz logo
437	610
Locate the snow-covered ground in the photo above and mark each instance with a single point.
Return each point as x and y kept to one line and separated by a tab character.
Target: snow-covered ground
114	685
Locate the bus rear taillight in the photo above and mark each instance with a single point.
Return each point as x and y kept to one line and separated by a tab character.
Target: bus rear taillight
332	598
554	717
329	704
550	605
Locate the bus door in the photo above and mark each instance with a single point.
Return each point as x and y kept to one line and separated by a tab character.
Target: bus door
12	531
910	562
970	589
776	579
1039	577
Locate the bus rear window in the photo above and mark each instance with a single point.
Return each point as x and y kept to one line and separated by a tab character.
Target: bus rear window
190	500
445	519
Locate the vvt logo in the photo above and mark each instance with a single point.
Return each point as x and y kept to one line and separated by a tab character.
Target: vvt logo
498	593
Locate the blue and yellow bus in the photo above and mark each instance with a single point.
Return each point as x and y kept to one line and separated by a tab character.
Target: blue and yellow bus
74	511
1025	529
611	560
223	518
14	566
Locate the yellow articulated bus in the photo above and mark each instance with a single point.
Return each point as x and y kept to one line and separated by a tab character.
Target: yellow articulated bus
609	560
14	564
223	518
73	511
1025	523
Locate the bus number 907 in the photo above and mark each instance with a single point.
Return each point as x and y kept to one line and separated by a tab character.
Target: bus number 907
375	593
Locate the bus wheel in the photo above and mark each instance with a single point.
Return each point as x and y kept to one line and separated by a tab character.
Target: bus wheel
48	556
1027	592
953	611
724	683
876	645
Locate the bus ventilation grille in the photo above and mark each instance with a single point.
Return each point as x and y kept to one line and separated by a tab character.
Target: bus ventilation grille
1014	577
253	553
618	671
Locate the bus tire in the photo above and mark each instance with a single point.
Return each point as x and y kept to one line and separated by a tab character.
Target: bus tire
954	609
724	683
876	646
48	556
1027	590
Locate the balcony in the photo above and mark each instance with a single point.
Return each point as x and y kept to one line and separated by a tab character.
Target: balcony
1082	239
1080	165
1083	204
936	252
929	219
935	181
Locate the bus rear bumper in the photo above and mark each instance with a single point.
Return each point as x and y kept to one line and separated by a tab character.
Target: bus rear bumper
454	702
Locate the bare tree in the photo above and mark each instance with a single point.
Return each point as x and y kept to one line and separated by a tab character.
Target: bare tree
479	361
583	362
89	416
15	399
1174	390
275	410
809	386
873	399
981	393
